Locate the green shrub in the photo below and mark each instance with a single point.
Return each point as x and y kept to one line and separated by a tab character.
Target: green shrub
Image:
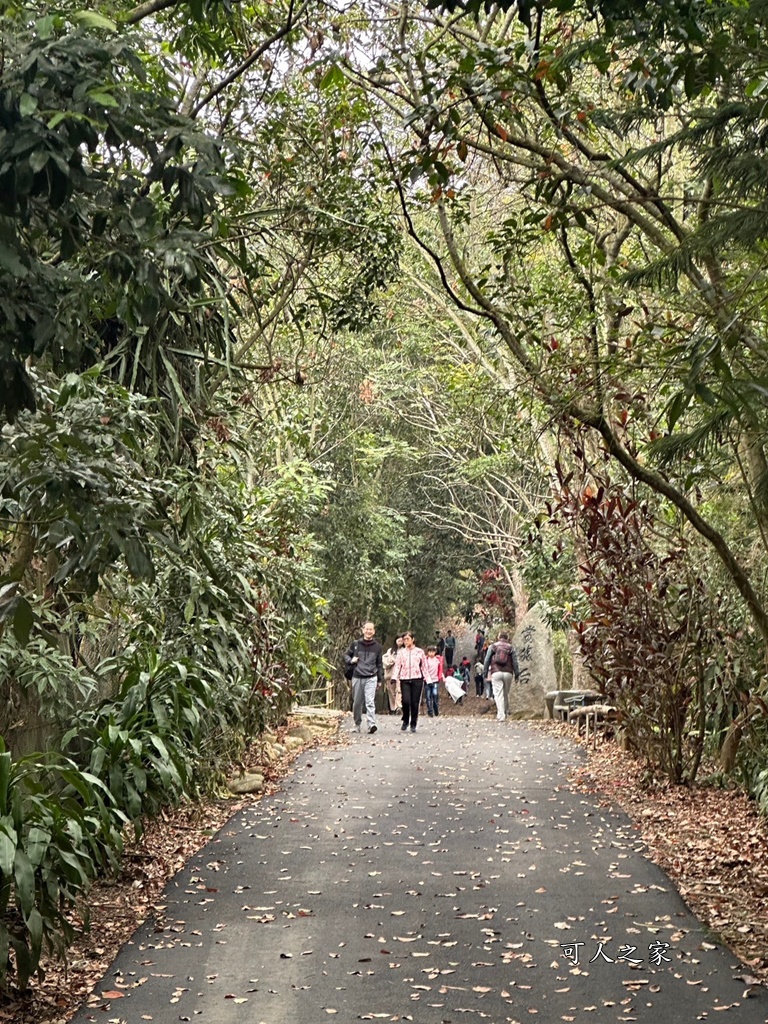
57	832
146	743
156	741
563	660
751	771
38	684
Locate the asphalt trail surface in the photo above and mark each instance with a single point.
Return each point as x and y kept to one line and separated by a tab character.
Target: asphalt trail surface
445	876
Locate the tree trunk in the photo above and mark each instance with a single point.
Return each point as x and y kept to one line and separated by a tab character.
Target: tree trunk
22	553
732	740
756	472
519	596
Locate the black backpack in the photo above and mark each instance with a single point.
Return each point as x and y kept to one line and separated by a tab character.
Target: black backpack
502	656
349	670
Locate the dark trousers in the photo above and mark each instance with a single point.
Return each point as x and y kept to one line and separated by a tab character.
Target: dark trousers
411	693
479	686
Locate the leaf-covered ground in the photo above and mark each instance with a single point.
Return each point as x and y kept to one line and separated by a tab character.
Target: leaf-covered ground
710	841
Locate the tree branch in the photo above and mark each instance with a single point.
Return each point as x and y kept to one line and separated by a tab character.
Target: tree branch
597	421
660	485
253	56
147	9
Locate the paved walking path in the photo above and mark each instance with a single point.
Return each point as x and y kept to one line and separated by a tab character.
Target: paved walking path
433	878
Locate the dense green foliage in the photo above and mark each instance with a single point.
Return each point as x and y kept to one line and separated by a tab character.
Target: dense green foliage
569	177
308	317
56	834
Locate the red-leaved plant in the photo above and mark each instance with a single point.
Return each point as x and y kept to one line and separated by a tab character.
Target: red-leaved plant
649	637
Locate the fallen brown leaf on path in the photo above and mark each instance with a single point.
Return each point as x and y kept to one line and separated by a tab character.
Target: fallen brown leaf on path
710	841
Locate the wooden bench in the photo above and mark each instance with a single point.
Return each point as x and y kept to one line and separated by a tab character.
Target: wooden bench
596	714
558	703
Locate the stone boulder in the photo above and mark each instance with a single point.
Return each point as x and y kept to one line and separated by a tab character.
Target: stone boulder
249	783
323	720
302	732
536	655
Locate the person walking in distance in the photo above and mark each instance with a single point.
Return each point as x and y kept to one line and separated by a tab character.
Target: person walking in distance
439	643
465	670
367	673
479	678
411	669
454	684
449	650
393	686
501	662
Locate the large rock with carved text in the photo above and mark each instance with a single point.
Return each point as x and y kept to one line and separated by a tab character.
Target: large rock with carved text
536	655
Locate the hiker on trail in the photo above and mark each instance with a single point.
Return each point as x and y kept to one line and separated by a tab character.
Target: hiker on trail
433	679
439	643
449	650
501	663
487	687
479	679
411	670
479	641
393	685
465	668
365	658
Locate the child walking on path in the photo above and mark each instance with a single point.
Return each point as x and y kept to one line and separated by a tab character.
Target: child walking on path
433	678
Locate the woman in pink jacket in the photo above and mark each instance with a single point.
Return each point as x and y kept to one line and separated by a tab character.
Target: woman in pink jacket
411	669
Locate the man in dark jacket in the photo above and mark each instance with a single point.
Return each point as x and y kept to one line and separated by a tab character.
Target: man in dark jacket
368	671
501	662
450	650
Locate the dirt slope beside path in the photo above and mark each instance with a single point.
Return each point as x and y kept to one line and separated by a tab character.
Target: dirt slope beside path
425	877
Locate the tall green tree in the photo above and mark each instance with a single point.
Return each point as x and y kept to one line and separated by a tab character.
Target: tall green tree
550	173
